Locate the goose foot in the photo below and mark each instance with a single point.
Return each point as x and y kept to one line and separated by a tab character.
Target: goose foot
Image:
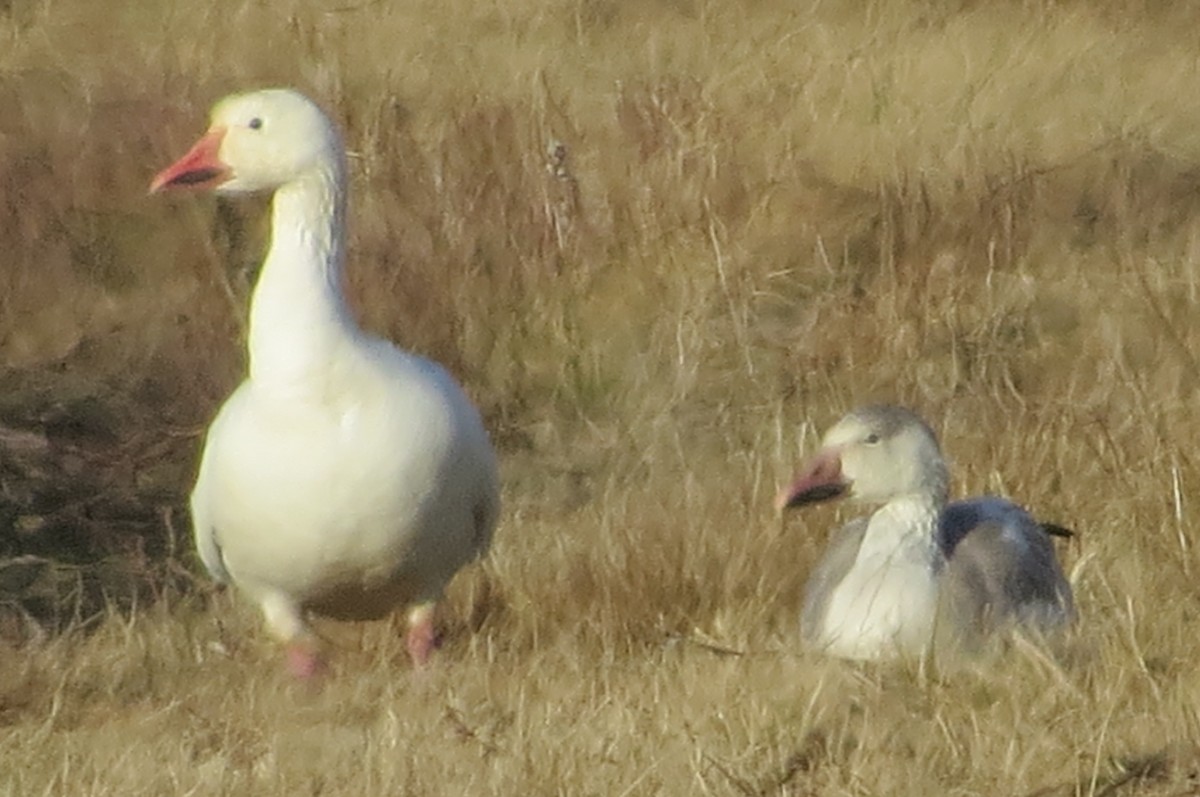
304	661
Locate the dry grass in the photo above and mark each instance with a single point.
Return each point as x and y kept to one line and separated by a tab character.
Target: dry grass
767	212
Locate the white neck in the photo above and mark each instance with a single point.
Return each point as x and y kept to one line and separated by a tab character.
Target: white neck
298	315
906	523
887	600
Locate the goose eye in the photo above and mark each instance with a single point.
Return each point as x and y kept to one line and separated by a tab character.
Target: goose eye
871	439
255	123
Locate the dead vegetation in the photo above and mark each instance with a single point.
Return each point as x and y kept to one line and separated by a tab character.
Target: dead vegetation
663	244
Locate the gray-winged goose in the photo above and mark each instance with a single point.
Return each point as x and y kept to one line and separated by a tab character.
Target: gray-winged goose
916	563
343	477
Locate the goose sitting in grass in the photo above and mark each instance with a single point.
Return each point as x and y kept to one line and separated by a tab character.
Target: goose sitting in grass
344	477
968	567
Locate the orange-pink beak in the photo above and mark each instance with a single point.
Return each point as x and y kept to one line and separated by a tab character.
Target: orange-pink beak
820	480
201	167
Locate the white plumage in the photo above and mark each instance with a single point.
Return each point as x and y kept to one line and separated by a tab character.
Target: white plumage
344	476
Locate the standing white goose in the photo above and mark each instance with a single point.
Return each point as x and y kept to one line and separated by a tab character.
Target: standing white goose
344	476
888	579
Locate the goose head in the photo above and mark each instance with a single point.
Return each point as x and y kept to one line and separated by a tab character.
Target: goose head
873	455
257	141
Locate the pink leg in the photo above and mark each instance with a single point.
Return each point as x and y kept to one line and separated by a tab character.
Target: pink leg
285	621
422	637
304	660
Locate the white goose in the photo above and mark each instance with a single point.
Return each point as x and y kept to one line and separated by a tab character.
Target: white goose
344	476
917	563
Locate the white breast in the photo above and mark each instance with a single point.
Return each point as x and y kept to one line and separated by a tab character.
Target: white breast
887	601
883	606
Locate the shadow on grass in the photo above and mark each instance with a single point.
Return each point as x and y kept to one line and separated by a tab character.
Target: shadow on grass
92	513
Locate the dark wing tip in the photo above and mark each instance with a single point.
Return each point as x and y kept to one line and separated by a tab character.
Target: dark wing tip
1055	530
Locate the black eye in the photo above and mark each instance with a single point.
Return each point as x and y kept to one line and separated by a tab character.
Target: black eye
255	123
871	439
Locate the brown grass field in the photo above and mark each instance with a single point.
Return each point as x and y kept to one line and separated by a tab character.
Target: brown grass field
762	213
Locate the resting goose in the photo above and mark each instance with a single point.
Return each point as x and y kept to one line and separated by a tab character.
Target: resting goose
916	563
343	477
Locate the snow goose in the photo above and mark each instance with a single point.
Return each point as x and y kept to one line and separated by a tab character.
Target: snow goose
343	477
888	579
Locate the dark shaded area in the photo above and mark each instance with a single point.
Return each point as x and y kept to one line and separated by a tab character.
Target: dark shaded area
92	501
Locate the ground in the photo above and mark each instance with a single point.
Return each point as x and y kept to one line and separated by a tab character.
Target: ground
663	245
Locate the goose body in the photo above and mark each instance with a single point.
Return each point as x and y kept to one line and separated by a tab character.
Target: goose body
344	476
918	566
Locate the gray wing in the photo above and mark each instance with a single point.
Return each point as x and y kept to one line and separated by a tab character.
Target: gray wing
1000	568
829	572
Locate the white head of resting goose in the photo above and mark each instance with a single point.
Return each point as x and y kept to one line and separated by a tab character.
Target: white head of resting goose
967	567
343	477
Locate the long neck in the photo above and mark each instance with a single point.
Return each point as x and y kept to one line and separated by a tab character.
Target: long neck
298	315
